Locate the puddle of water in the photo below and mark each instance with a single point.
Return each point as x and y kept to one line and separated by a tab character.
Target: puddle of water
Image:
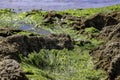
26	27
42	31
32	29
55	4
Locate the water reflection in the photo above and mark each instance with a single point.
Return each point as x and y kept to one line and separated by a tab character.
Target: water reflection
31	28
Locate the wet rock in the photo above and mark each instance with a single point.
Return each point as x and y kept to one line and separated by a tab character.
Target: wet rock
11	70
98	21
76	25
54	17
101	20
62	41
105	53
49	20
83	42
51	17
76	22
34	43
25	44
14	44
107	56
110	32
114	70
4	32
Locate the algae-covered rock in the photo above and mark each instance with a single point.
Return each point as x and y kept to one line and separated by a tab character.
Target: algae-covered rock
7	32
102	20
12	44
25	44
98	21
107	56
50	17
110	32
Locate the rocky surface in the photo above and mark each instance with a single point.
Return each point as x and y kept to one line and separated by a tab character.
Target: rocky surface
53	17
4	32
25	44
110	32
11	70
107	56
102	20
98	21
12	44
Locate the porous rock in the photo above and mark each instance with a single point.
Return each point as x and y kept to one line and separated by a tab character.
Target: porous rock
11	70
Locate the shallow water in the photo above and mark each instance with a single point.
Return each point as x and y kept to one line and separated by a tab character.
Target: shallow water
55	4
31	28
26	5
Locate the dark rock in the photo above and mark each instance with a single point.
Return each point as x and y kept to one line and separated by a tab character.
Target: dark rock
50	17
114	70
110	32
105	53
13	44
25	44
76	22
49	20
101	20
107	56
4	32
53	15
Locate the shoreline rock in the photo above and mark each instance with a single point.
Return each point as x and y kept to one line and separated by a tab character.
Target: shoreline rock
12	44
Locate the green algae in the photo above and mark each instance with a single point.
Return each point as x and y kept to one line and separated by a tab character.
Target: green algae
58	64
64	64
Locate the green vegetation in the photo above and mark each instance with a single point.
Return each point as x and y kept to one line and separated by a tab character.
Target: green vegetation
54	64
62	64
35	73
9	18
28	33
91	30
92	11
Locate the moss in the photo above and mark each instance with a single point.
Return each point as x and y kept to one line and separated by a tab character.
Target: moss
35	73
91	11
91	30
64	64
6	11
28	33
